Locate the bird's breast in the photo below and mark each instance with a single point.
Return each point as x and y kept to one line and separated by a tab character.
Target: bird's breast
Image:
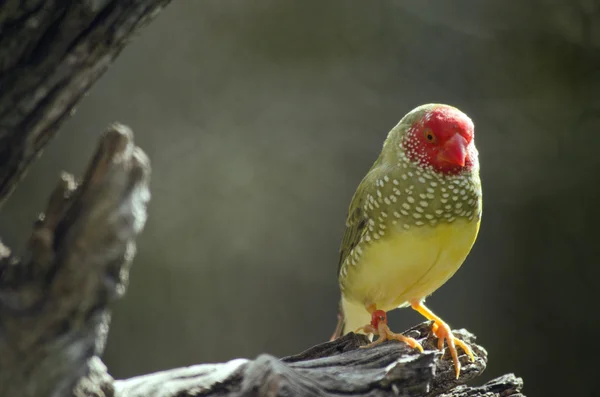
408	264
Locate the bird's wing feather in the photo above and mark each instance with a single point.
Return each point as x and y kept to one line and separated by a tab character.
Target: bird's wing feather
356	222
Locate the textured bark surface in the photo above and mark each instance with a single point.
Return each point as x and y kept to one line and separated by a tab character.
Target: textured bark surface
51	52
53	301
332	369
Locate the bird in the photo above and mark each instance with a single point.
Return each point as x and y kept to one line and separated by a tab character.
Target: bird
411	224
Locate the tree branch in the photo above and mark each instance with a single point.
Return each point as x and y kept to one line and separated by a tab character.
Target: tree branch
51	52
331	369
53	302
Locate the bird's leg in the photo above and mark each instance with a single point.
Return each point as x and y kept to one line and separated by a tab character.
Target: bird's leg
443	332
379	327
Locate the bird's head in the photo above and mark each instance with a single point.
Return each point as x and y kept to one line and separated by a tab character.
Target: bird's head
439	137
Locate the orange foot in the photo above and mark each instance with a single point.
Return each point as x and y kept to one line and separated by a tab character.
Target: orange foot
443	332
379	327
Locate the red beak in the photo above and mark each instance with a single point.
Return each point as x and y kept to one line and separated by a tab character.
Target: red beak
454	151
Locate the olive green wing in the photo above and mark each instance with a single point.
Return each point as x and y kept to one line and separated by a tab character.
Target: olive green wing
356	223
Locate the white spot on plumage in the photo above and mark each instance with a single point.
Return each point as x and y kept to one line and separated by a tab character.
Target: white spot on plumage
410	199
387	201
396	214
423	203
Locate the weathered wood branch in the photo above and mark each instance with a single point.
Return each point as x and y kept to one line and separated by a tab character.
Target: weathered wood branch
331	369
51	52
53	301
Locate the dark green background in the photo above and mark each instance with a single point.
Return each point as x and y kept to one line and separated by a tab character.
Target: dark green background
261	117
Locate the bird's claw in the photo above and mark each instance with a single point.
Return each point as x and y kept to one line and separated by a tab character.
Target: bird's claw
444	333
384	333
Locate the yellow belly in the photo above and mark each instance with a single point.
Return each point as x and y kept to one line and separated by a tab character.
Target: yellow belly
409	265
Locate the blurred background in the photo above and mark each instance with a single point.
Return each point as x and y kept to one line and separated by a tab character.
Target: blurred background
261	118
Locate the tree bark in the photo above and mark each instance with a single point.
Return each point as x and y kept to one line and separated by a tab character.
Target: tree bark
51	52
53	301
55	298
332	369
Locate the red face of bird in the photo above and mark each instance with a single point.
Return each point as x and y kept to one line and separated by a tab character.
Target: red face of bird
443	140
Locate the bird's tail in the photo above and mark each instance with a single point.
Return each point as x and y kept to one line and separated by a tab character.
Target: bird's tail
350	317
339	328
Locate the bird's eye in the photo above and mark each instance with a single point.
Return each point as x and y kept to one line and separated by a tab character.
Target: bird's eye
430	136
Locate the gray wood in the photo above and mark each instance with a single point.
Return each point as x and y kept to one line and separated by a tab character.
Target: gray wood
51	52
332	369
53	301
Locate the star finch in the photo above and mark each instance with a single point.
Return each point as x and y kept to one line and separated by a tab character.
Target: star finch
411	224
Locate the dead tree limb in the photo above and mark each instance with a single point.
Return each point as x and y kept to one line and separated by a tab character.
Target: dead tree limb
53	301
51	52
331	369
